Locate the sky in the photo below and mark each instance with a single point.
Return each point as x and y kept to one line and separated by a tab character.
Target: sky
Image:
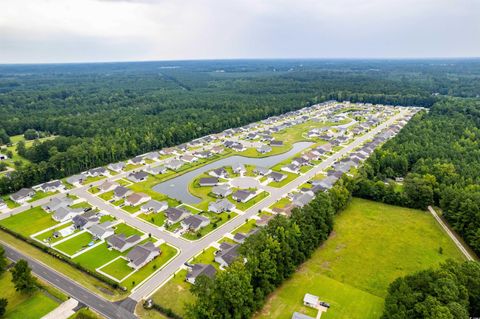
57	31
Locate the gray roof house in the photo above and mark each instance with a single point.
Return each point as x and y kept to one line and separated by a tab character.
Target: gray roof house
154	206
200	270
121	192
220	206
195	222
99	171
219	172
52	186
76	179
156	170
63	214
238	168
276	143
208	181
221	190
85	220
227	254
277	177
302	199
174	164
176	214
264	149
116	167
137	176
56	203
142	255
22	195
107	186
122	242
261	170
137	160
243	195
101	231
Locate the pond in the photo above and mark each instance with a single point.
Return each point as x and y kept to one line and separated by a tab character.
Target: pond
178	187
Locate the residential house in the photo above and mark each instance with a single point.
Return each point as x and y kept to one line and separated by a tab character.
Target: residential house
221	190
138	160
107	186
198	270
141	255
63	214
137	199
239	147
85	220
302	199
204	154
121	192
238	168
189	158
156	170
23	195
241	237
261	170
276	143
101	231
117	167
76	179
208	181
175	164
122	242
56	203
299	161
195	222
277	177
310	300
227	254
52	186
220	206
216	149
137	177
263	221
325	183
219	172
154	206
292	168
243	195
152	156
95	172
264	149
176	214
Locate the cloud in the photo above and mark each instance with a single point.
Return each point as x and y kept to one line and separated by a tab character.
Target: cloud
106	30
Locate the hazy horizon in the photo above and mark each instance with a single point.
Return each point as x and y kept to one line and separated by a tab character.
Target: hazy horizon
89	31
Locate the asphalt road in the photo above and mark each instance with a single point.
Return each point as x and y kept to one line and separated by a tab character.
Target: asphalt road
71	288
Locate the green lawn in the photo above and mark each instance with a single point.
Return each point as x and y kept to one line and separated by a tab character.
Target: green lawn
127	230
106	196
10	203
48	235
93	179
372	244
246	227
157	219
75	244
96	257
284	201
24	306
132	209
290	177
29	222
206	257
175	293
118	269
39	195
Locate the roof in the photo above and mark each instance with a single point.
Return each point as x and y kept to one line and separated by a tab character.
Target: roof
221	190
139	254
154	205
311	299
208	180
55	184
63	212
120	241
242	194
221	205
107	185
202	270
24	192
298	315
194	221
176	213
100	229
121	191
276	176
228	253
138	175
136	197
261	170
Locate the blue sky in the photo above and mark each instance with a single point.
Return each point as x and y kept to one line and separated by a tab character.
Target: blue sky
124	30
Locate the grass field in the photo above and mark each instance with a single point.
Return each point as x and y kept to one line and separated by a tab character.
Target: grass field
117	269
75	244
372	244
175	293
24	306
29	222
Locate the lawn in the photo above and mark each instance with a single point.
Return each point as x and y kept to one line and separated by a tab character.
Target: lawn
372	244
127	230
75	244
48	235
29	222
39	195
118	269
290	177
106	196
206	257
175	293
10	203
93	179
250	203
284	201
158	219
96	257
24	306
246	227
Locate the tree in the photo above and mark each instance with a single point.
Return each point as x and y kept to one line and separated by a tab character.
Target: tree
30	134
3	260
3	306
22	277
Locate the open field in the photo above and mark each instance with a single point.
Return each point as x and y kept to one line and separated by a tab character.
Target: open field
372	244
29	222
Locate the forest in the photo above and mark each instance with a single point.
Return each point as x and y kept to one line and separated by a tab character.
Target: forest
105	112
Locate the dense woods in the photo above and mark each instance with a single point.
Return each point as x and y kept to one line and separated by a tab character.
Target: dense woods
438	153
108	112
267	259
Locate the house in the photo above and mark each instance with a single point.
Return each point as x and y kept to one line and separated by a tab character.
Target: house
241	237
220	206
64	232
63	214
122	242
23	195
261	170
276	143
174	164
154	206
101	231
56	203
238	168
76	179
195	222
227	254
138	160
277	177
142	255
204	154
310	300
3	205
107	186
137	199
299	315
238	147
52	186
251	136
264	219
302	199
137	177
176	214
208	181
116	167
264	149
121	192
95	172
299	161
292	168
310	156
85	220
198	270
221	190
189	158
243	195
325	183
152	156
156	170
217	149
168	151
219	172
182	147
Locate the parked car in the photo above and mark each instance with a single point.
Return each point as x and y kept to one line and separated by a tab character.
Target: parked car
324	304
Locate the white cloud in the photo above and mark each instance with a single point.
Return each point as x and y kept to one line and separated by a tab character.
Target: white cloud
105	30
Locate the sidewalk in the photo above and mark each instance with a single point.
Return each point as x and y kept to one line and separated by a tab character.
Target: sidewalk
64	311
